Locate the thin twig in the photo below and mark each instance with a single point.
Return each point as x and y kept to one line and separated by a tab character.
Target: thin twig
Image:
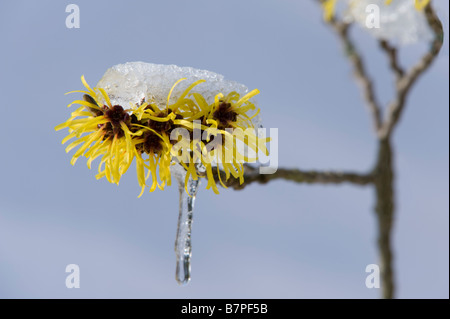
391	52
405	84
252	175
359	72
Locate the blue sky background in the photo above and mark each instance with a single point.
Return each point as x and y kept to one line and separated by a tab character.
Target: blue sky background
279	240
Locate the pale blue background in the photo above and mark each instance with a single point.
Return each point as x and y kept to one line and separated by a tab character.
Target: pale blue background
272	241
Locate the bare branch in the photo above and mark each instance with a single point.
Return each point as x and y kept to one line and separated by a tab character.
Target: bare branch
252	175
393	62
359	71
383	175
405	84
385	209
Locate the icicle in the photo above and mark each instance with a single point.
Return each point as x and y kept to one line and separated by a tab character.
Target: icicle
183	248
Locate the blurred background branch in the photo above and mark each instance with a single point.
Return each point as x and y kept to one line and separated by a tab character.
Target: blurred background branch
382	176
252	175
405	82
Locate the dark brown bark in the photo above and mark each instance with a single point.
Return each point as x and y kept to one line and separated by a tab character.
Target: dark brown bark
385	208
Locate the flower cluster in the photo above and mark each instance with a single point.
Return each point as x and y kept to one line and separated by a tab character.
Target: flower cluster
204	137
329	6
419	4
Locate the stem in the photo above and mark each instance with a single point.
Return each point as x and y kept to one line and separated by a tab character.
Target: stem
252	175
385	208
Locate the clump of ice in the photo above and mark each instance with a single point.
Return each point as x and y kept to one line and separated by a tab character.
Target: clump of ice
400	21
131	82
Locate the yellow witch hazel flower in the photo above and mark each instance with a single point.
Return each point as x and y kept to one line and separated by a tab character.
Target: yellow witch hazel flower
329	6
419	4
106	133
400	21
139	110
233	134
